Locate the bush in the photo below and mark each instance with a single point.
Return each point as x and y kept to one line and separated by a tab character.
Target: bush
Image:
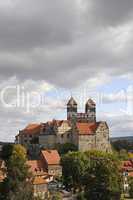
131	187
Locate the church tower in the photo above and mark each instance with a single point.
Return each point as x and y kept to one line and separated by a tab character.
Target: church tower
71	108
90	110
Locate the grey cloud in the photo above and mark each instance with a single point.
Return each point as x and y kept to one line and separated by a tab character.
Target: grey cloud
42	40
29	23
111	13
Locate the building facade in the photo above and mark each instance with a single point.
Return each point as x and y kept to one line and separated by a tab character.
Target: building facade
81	129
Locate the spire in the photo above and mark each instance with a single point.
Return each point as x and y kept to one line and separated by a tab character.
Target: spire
90	102
72	101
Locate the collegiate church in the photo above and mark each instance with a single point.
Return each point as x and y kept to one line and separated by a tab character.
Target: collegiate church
81	129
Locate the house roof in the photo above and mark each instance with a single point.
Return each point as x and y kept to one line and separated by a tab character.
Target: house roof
32	129
51	156
58	123
86	128
36	166
127	165
130	174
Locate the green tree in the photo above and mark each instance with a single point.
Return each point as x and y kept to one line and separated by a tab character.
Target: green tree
65	148
81	196
131	187
7	151
74	166
17	185
94	172
103	178
56	196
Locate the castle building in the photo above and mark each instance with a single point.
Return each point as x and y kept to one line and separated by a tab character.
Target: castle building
81	129
88	116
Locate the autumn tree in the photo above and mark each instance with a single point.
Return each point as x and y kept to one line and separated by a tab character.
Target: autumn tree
17	185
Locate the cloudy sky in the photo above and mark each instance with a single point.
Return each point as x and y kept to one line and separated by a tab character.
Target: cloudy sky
50	50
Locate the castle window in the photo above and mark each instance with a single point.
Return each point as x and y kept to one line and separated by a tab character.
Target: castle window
62	136
68	135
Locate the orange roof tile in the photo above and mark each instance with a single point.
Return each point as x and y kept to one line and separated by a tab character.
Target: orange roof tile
130	174
32	129
86	128
127	165
51	156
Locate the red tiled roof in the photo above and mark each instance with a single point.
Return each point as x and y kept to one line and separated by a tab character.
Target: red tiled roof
32	129
130	174
86	128
2	177
127	165
36	166
51	156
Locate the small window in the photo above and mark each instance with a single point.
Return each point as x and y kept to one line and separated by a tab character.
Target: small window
62	136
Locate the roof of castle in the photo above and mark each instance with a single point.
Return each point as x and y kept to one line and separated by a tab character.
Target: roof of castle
87	128
72	101
51	156
32	129
90	102
58	122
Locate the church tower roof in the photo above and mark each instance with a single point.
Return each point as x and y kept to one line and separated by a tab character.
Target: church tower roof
72	101
90	102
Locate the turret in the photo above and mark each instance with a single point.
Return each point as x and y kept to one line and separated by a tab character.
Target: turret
90	110
71	108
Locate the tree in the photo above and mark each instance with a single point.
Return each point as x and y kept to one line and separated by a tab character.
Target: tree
103	179
95	173
65	148
74	165
122	144
17	185
123	154
6	152
81	196
131	187
56	196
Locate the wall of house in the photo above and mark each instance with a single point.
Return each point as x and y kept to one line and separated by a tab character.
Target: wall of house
55	170
64	133
86	142
48	141
102	138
